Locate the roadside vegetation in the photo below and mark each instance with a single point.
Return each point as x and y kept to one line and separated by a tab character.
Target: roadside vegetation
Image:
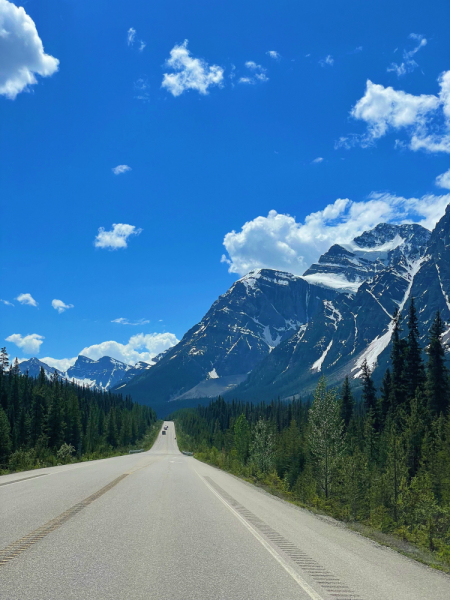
45	423
381	465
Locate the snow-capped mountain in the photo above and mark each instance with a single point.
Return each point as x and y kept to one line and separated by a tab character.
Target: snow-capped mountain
346	266
355	327
243	326
103	373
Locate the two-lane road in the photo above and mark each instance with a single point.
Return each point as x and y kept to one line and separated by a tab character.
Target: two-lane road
160	525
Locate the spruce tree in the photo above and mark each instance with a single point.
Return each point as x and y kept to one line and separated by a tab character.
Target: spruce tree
437	385
5	439
369	393
386	397
347	402
414	367
398	389
242	438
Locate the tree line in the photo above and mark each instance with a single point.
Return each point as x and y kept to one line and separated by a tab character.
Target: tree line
48	421
383	460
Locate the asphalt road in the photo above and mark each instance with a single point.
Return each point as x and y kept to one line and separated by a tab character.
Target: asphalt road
160	525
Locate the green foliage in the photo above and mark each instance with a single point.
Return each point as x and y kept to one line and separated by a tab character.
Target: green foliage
43	422
384	462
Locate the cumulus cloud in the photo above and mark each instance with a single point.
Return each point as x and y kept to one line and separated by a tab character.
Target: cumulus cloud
258	73
443	180
117	237
425	118
190	73
29	343
317	160
278	241
409	64
26	299
139	347
60	306
62	364
274	54
327	61
124	321
22	53
6	302
120	169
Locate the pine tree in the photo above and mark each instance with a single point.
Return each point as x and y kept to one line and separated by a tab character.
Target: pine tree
5	439
242	438
347	403
414	367
326	435
437	385
4	360
398	387
369	392
386	397
56	425
111	430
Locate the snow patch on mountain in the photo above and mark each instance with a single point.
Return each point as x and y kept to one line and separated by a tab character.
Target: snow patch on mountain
317	366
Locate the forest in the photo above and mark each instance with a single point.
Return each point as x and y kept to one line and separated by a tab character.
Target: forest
381	460
48	422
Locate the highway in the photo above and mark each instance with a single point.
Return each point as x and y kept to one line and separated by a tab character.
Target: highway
161	525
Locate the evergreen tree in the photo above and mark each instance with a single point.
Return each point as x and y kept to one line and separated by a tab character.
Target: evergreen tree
55	423
386	397
398	386
369	392
111	430
437	385
5	439
326	436
242	438
414	367
347	402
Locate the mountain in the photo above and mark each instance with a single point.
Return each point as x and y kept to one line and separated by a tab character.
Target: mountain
346	266
244	325
33	367
356	327
103	374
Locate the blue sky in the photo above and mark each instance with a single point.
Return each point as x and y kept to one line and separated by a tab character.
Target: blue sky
265	134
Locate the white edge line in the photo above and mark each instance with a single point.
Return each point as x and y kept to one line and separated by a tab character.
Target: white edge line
299	580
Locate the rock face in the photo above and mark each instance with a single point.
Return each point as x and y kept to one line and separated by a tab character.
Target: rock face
354	327
244	325
345	267
33	367
103	374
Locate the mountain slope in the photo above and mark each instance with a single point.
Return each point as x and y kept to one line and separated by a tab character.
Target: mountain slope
353	328
243	326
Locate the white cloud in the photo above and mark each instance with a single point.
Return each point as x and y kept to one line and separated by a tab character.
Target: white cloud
117	237
317	160
259	73
141	86
409	64
62	364
29	343
443	180
139	347
425	118
327	61
22	54
278	241
120	169
26	299
274	54
60	306
131	36
142	46
6	302
190	73
124	321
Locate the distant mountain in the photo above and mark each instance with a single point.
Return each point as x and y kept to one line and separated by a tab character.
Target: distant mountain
103	374
244	325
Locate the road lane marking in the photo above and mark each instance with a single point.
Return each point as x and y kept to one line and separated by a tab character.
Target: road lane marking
327	580
16	548
295	576
23	479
